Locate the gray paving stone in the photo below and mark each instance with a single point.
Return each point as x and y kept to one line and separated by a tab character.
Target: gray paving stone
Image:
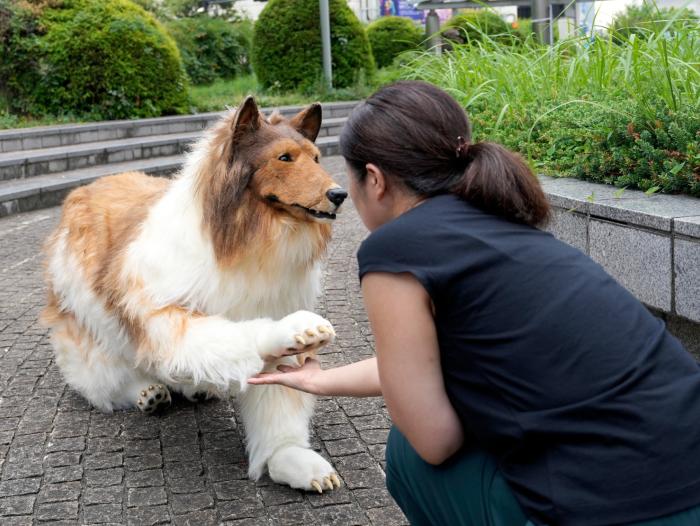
142	479
62	491
10	488
187	503
103	513
57	511
17	505
198	518
103	495
150	516
142	497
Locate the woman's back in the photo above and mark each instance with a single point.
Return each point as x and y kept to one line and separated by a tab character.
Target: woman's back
552	366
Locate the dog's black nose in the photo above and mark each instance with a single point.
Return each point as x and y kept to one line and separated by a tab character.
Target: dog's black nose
336	196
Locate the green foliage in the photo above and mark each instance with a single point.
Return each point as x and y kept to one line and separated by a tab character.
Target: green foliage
211	48
286	51
476	25
100	58
390	36
648	19
169	9
626	114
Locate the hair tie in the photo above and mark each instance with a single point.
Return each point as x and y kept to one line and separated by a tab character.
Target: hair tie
462	147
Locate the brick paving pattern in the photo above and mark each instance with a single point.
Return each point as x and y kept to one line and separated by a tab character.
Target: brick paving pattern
62	462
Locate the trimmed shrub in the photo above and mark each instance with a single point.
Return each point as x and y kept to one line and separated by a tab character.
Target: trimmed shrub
286	51
211	48
474	25
97	58
390	36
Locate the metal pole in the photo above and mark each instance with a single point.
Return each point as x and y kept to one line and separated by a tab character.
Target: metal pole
432	29
540	17
326	43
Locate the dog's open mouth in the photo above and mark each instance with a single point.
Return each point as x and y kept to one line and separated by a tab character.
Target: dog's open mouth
316	213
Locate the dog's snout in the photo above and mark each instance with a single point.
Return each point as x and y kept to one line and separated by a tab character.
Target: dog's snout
336	196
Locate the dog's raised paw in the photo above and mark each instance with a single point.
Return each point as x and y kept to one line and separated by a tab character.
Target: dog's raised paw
299	332
152	398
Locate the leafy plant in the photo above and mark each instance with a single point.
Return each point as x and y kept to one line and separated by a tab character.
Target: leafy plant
390	36
104	58
624	113
211	48
286	52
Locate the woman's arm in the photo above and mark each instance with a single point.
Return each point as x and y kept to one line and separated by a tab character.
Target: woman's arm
357	379
400	313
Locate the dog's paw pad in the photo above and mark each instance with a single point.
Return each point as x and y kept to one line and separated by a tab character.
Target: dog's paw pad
312	338
152	398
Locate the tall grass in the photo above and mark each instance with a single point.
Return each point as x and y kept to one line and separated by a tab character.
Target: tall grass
544	100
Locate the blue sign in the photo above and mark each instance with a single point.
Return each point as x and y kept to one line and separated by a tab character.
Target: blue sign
399	8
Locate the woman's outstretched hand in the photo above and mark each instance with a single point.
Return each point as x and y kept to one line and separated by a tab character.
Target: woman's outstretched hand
303	378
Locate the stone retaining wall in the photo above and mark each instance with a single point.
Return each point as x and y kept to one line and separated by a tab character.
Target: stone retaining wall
649	243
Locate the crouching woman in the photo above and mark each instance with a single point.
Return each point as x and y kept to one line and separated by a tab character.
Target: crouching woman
526	385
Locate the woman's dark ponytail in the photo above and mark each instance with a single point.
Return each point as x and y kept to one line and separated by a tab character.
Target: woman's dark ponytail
417	134
500	182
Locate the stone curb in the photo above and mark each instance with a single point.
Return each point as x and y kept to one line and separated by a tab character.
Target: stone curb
33	163
650	244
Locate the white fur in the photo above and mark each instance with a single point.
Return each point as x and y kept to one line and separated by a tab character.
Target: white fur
174	260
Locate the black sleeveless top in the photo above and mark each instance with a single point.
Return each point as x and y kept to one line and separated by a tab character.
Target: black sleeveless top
588	404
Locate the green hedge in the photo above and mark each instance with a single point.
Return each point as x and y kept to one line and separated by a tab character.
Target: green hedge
390	36
98	58
474	25
286	51
211	48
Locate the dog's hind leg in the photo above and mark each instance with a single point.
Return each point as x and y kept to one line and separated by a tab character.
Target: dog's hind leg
277	419
101	375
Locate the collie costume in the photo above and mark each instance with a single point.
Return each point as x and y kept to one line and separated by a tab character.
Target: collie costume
195	284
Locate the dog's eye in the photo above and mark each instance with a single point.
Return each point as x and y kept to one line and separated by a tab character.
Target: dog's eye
316	159
285	157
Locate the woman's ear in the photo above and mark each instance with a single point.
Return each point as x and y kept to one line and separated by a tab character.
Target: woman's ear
376	181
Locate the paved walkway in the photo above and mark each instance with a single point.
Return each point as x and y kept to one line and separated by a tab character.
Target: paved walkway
62	462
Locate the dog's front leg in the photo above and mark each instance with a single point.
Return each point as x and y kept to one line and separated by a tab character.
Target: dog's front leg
215	354
276	420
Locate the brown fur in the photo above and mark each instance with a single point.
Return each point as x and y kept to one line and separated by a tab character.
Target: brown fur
239	172
243	170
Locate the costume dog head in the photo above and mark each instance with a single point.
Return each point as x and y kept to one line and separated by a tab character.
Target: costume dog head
260	174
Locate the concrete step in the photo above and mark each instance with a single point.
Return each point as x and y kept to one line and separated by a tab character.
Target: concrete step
71	134
24	164
42	191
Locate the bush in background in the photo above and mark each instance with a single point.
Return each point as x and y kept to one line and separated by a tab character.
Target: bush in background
286	51
648	19
103	58
212	48
475	26
390	36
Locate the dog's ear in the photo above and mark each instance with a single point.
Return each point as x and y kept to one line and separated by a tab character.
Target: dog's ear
308	121
247	118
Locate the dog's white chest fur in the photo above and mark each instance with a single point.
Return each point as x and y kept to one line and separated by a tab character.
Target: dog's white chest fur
176	263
